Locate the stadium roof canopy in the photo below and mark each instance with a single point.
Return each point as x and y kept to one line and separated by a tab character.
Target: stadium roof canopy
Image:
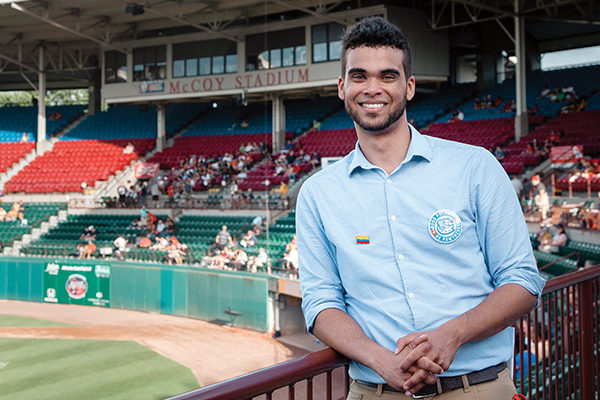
73	32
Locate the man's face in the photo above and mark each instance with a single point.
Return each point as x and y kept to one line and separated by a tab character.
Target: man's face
374	88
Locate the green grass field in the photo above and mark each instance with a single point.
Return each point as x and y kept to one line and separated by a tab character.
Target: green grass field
14	321
86	369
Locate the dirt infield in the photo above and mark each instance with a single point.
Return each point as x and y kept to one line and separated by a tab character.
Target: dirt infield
212	352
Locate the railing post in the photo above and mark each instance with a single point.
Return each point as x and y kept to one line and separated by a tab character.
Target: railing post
586	340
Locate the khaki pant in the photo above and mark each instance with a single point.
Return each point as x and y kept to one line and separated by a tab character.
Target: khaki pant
499	389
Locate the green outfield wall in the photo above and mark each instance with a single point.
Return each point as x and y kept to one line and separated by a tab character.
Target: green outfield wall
237	298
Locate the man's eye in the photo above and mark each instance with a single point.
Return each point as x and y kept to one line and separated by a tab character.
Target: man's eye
358	76
389	77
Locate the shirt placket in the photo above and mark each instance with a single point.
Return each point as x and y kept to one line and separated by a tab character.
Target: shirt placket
394	229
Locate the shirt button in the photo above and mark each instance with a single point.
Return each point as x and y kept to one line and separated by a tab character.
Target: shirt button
393	218
388	180
411	295
400	257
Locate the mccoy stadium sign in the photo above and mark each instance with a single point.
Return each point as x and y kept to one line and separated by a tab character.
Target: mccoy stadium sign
321	75
239	81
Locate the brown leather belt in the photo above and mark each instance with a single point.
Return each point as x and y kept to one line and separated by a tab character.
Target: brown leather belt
448	383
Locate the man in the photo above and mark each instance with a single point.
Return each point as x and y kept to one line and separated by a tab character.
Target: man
223	239
414	253
540	196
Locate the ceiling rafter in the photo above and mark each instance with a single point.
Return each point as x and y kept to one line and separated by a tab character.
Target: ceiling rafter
47	20
322	15
182	20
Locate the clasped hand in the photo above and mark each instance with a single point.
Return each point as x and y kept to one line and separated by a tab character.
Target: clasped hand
420	356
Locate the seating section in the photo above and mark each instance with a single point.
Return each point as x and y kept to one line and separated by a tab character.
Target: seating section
300	114
11	153
16	120
34	213
64	238
558	268
330	143
206	146
485	133
425	111
71	163
199	232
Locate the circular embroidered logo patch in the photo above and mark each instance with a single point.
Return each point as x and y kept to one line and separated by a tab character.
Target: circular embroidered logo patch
445	226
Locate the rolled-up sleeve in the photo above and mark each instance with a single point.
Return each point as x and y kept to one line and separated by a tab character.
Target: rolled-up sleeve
501	227
319	277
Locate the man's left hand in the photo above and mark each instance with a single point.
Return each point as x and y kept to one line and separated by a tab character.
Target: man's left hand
439	345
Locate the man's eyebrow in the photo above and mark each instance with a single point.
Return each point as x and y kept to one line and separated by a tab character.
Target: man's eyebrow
390	71
357	71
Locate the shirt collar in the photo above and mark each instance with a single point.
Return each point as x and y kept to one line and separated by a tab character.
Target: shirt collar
418	147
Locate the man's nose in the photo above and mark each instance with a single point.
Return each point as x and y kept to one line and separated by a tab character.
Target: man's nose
372	87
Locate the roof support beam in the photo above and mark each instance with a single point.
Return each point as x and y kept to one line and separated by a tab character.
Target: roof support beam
72	31
311	12
20	64
186	22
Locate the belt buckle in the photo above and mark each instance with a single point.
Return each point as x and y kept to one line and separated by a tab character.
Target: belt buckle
437	387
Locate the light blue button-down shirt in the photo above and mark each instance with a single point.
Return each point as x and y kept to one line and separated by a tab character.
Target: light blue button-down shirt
365	245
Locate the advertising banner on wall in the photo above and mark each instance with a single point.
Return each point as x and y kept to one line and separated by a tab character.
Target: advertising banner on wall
67	283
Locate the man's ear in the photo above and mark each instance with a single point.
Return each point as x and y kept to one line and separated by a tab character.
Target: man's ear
341	87
410	88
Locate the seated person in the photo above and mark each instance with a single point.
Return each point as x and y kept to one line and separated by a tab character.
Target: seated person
249	239
254	263
86	251
2	214
559	239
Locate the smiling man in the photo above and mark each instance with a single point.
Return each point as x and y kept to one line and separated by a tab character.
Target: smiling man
414	253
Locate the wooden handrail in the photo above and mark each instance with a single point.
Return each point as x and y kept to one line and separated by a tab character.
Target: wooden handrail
559	260
269	379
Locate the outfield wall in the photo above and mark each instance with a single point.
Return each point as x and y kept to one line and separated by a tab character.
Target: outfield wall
214	296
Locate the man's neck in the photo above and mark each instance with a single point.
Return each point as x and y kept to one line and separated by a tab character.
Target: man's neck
387	150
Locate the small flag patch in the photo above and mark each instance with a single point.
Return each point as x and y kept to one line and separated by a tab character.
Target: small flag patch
362	239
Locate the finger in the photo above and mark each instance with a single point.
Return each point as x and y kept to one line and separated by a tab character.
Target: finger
417	378
402	343
431	379
414	389
412	357
429	365
411	341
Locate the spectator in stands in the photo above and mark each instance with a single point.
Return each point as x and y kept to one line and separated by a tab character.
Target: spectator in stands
2	212
477	103
24	138
540	196
222	240
498	102
160	228
559	239
499	153
257	225
87	250
120	244
259	261
249	240
129	148
534	110
248	198
545	92
581	104
239	260
89	233
291	258
155	192
122	191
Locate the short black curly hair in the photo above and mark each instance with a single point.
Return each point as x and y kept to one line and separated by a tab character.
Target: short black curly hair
376	32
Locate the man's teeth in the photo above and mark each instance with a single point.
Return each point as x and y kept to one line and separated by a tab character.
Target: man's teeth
373	105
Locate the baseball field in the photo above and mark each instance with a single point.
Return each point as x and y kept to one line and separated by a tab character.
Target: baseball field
53	351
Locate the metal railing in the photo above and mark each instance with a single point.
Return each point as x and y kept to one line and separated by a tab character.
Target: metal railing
557	354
